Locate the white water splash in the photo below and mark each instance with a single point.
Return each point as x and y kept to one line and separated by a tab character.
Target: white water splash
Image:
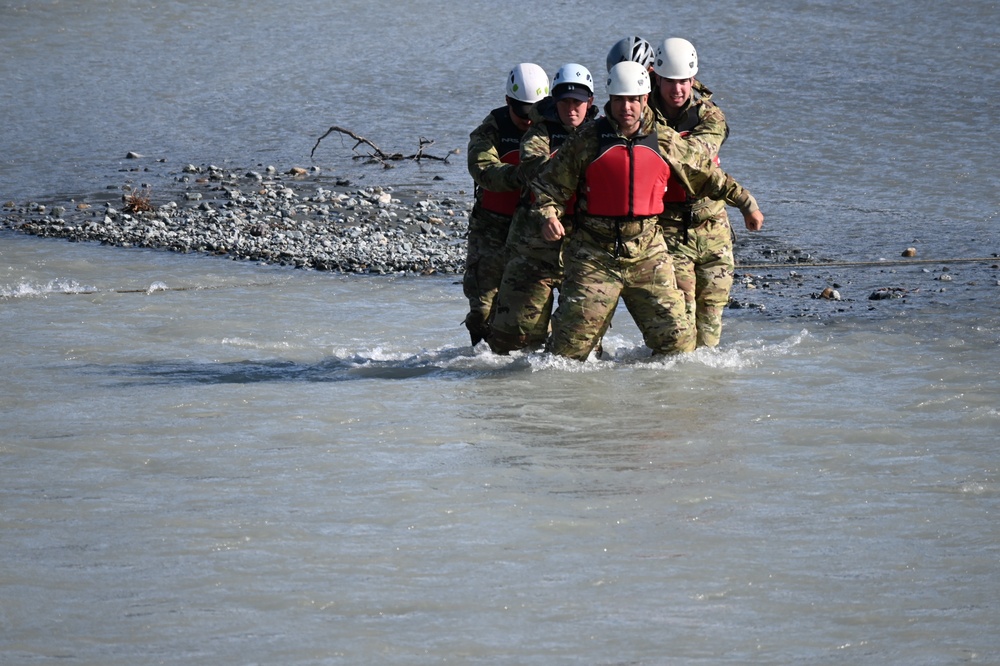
34	290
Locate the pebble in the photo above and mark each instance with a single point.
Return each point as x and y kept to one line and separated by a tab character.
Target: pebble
887	293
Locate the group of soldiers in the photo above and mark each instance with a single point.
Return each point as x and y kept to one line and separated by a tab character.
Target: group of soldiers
626	205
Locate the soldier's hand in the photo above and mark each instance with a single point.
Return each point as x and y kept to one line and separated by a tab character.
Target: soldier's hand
754	221
552	229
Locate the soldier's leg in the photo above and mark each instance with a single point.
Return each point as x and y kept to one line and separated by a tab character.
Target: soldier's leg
714	279
475	318
587	299
522	306
657	305
683	253
484	264
684	272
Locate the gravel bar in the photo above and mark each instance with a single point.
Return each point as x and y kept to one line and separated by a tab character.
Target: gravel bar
295	218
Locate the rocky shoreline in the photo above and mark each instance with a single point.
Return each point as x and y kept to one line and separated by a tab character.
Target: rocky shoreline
295	218
303	218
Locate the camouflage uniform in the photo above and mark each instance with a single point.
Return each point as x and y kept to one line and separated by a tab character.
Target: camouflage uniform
523	304
697	231
485	256
611	258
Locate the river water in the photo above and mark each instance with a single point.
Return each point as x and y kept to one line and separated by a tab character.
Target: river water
208	461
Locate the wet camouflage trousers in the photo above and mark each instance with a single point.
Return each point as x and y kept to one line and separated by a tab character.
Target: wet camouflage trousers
703	264
484	264
523	305
642	276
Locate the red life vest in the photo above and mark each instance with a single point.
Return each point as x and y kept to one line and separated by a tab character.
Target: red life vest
628	177
509	149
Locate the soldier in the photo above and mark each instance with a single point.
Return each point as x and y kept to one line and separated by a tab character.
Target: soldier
697	230
493	165
637	50
618	167
523	304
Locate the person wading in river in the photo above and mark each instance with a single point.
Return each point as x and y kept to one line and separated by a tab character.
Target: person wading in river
696	230
523	304
494	166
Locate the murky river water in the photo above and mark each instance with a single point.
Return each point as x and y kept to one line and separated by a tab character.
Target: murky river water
210	461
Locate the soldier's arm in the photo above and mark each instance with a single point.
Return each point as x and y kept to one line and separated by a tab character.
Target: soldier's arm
712	129
535	149
691	163
720	185
551	197
485	166
556	183
702	178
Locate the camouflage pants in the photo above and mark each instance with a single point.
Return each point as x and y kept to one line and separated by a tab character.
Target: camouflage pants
523	305
484	264
703	264
642	276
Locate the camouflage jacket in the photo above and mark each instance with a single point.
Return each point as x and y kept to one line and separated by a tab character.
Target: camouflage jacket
485	166
705	123
564	174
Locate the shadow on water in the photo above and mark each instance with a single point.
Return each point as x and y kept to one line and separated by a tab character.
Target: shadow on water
442	363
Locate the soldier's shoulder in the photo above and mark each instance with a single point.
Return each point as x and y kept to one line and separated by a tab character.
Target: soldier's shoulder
589	127
585	135
487	131
663	127
535	140
490	123
709	110
535	132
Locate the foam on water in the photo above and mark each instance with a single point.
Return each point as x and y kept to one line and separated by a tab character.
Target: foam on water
34	290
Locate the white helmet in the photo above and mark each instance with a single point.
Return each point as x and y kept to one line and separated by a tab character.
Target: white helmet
527	82
676	59
635	49
628	79
573	80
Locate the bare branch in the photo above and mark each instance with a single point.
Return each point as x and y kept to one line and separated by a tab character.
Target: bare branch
379	156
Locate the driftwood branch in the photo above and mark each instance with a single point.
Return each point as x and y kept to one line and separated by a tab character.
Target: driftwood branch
377	155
